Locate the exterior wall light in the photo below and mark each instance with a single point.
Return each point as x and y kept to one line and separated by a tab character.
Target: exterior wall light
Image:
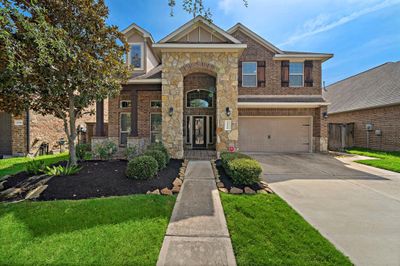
228	111
171	111
325	115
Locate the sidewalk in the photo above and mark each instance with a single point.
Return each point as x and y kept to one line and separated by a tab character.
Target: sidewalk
197	233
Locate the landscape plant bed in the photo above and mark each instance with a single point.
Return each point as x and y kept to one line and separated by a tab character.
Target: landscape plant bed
99	179
227	183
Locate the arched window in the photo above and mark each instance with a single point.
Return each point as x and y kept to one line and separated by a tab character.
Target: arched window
200	99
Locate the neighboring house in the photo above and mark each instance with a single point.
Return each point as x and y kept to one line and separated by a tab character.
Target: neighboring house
369	104
24	134
205	88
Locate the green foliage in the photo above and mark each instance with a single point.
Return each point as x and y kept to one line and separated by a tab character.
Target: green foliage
159	156
105	150
265	230
161	147
81	150
388	160
226	157
142	167
244	171
59	170
88	156
59	58
125	230
15	165
35	167
131	152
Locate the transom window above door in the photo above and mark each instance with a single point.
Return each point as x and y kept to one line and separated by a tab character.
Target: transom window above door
200	99
249	74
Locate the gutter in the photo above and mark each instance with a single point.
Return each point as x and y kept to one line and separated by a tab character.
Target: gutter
280	105
144	81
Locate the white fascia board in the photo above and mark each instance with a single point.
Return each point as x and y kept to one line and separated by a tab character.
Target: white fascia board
200	46
145	33
280	105
145	81
322	57
193	22
255	36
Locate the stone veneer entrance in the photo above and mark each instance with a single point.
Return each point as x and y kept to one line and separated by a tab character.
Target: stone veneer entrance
223	66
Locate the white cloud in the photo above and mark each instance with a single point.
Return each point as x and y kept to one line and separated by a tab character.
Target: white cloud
323	22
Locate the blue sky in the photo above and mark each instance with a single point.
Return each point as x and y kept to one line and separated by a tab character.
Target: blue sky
361	33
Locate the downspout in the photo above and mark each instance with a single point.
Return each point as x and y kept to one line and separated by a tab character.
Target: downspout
28	132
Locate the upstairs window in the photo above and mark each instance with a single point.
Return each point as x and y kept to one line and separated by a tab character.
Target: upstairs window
125	104
155	104
296	70
136	56
200	99
249	74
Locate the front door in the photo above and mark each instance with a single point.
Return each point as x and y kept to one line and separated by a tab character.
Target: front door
199	132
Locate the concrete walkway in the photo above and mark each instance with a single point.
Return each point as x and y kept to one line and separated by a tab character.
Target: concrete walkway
197	233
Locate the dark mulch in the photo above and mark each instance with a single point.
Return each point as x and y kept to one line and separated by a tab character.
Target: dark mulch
227	180
106	178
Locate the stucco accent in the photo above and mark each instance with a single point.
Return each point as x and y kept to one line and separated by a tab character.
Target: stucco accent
176	65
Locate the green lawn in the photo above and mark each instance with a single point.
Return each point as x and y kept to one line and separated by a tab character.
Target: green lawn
110	231
266	231
387	160
17	164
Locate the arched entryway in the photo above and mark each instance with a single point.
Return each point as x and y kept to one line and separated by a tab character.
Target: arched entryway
199	111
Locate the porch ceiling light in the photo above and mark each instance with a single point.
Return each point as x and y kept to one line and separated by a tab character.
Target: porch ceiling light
171	111
228	111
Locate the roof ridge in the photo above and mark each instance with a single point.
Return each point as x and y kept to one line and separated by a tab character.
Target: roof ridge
358	74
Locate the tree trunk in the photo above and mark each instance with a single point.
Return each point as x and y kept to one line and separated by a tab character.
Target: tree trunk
72	132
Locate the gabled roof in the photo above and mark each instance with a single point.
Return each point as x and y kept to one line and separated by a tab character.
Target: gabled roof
255	36
199	19
376	87
145	33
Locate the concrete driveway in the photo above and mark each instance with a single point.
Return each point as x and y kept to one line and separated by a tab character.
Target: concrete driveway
356	207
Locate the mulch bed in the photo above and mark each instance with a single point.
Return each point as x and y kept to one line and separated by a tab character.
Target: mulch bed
227	180
100	179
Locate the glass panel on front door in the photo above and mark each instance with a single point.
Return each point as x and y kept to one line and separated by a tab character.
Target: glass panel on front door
155	128
199	136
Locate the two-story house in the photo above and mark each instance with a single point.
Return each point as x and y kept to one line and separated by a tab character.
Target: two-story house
205	88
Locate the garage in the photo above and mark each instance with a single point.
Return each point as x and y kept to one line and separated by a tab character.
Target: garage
275	134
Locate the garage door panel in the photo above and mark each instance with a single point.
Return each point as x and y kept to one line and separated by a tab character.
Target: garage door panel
274	134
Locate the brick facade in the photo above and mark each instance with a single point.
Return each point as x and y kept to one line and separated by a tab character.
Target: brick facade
18	135
386	119
257	52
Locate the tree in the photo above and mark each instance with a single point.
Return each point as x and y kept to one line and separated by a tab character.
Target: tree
195	7
58	57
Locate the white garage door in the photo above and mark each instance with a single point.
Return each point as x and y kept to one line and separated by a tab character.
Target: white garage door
274	134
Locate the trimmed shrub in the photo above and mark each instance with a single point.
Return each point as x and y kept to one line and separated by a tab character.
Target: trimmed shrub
160	147
226	157
81	150
159	156
105	150
142	167
244	171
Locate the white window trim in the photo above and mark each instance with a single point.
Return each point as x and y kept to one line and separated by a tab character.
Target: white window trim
151	131
297	74
121	101
151	102
256	85
142	51
120	128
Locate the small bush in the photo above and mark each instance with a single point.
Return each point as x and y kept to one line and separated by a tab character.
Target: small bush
88	156
131	152
226	157
244	171
35	167
142	167
160	147
60	170
105	150
159	156
81	150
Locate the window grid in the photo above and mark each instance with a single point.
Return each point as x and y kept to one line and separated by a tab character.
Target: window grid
249	74
296	74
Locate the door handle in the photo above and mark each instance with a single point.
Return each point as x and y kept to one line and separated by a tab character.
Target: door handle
269	137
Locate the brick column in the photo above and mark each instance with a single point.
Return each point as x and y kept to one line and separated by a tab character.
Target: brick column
100	118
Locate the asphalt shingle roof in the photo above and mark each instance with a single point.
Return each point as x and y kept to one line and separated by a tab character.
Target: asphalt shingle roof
376	87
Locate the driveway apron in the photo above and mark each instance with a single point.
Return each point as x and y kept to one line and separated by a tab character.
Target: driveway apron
197	233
